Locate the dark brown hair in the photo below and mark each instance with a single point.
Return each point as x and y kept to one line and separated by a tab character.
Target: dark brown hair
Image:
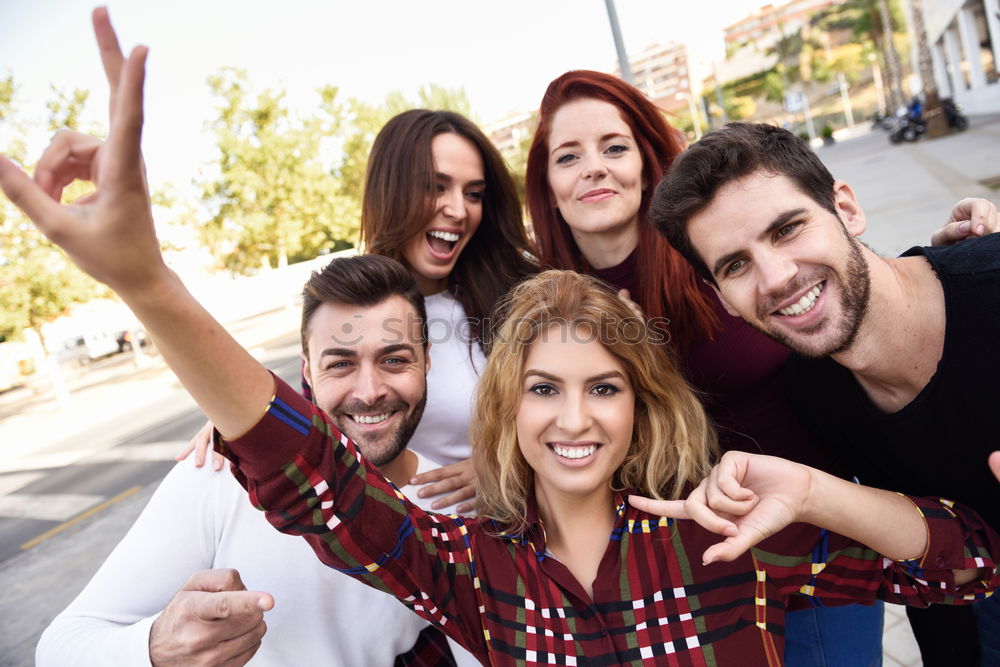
668	287
730	153
360	280
396	207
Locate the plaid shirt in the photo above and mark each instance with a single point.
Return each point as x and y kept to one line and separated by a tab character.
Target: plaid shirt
509	602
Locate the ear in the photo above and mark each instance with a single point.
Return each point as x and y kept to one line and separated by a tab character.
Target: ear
722	300
427	358
848	209
306	372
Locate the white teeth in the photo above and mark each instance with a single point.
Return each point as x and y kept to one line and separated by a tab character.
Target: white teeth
371	419
451	237
574	452
805	304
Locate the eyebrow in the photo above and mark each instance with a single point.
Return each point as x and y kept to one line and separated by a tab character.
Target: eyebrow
348	352
779	220
605	137
448	179
593	378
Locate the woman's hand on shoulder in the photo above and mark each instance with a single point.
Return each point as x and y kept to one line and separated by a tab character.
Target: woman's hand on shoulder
200	444
457	480
971	217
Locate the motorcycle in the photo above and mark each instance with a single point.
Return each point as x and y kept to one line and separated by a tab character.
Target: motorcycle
910	124
953	114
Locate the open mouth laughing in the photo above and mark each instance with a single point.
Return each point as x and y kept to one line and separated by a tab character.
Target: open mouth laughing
442	243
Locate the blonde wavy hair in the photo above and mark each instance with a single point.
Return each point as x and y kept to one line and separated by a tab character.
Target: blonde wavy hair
673	443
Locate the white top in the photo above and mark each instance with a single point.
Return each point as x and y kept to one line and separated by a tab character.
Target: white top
199	519
443	433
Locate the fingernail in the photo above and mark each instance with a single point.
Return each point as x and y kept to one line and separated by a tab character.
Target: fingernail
981	229
964	227
218	465
413	480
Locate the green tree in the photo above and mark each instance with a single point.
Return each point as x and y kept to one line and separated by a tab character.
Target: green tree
274	198
37	281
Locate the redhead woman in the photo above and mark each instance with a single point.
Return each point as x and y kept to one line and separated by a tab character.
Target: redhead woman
600	148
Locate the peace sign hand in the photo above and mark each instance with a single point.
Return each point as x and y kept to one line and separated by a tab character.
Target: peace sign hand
109	233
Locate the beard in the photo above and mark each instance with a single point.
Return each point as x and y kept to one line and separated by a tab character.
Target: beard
385	447
855	298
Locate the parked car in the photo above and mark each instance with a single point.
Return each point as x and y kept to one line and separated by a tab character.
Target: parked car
88	347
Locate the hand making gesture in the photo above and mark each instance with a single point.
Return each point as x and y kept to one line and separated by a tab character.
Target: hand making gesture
749	497
94	229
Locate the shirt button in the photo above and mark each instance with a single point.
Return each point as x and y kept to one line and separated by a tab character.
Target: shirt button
940	561
604	632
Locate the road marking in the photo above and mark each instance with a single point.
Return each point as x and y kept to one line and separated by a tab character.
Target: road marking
46	506
89	513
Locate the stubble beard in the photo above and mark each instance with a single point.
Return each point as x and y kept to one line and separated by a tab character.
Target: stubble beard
386	448
855	299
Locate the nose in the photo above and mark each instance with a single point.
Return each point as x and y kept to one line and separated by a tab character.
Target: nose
775	271
574	417
453	204
369	386
594	167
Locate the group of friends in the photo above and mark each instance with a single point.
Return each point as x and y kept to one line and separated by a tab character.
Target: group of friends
673	425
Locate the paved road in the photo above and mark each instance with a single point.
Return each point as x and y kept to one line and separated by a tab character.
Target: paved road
59	521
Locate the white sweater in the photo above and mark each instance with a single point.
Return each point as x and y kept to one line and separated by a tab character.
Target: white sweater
196	520
443	432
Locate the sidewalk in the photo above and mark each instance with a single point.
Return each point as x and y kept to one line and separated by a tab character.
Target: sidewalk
33	423
907	190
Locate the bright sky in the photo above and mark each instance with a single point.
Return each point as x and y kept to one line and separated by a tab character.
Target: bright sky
504	53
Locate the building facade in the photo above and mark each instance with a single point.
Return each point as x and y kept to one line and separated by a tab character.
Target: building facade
964	38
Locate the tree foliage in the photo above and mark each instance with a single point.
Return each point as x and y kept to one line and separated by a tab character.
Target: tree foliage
37	281
288	188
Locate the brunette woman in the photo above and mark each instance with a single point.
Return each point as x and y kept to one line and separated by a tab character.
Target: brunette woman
439	199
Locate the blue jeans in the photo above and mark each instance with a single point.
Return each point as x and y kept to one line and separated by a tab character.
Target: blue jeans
849	636
988	620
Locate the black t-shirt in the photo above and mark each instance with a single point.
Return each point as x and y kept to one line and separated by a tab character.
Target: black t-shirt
938	444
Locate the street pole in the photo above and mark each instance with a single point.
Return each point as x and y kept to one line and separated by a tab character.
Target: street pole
879	90
616	32
891	58
937	126
693	110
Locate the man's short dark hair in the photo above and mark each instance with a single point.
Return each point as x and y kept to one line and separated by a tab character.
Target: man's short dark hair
360	280
730	153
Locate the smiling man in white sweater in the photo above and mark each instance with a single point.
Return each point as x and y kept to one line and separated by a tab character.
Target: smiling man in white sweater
172	592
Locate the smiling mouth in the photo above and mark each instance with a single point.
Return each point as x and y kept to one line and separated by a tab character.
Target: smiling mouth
805	304
596	195
442	243
371	419
573	452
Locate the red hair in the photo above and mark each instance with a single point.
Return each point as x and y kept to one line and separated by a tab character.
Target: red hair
668	287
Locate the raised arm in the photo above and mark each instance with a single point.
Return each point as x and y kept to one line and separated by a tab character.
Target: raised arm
110	235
